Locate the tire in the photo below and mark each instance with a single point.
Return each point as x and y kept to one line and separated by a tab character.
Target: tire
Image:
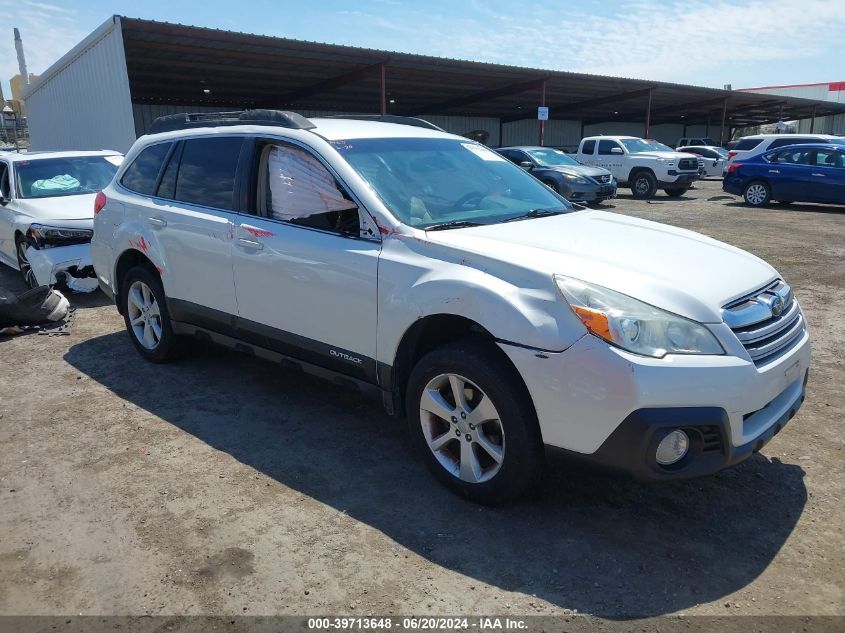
24	266
454	448
757	194
144	307
643	185
557	188
676	192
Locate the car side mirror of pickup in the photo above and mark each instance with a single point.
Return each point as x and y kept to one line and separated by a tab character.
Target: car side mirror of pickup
616	150
527	165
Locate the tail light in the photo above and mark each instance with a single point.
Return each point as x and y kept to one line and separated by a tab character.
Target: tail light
99	202
731	155
734	167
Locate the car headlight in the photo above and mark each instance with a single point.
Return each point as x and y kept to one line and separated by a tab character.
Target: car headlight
669	162
633	325
575	178
46	236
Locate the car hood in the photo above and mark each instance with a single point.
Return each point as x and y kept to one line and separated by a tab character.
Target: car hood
581	170
669	155
80	207
674	269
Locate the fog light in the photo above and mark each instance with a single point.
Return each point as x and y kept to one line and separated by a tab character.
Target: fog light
672	448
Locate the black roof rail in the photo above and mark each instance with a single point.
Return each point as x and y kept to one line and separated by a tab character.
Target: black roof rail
388	118
186	120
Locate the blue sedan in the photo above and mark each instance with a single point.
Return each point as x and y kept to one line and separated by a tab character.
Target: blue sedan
793	173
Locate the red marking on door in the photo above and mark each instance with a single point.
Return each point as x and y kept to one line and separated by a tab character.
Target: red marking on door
257	232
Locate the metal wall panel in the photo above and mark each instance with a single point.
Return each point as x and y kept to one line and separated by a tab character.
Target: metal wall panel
82	101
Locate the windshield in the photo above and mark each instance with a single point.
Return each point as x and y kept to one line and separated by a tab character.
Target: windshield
51	177
428	181
552	157
636	145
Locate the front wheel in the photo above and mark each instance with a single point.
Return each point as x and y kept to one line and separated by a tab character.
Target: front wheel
643	185
756	194
676	192
23	263
146	317
474	424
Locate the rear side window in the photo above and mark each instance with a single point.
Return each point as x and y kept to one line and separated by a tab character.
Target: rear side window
589	147
142	174
780	142
746	144
790	157
207	172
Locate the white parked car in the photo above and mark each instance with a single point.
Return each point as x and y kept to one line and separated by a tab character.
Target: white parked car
426	269
47	212
643	165
760	143
715	158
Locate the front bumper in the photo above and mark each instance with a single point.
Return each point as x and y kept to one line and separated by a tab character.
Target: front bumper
680	180
70	265
609	406
592	193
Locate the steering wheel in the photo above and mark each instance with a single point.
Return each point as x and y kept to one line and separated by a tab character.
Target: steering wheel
476	196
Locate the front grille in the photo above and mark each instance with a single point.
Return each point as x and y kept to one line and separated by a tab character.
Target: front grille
604	179
688	163
767	322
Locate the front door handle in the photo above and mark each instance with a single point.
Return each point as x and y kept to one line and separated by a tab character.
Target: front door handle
253	244
157	222
774	171
818	175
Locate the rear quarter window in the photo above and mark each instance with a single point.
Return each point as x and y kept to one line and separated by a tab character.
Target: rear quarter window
142	174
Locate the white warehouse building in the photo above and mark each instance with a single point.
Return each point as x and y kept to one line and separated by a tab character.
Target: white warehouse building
833	91
108	89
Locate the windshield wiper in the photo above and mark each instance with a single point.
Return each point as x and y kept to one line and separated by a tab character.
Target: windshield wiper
452	224
536	213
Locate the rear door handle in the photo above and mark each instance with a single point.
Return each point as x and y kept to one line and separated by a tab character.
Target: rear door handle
818	175
253	244
774	171
157	222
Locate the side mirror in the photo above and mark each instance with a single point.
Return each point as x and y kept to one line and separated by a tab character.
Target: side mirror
527	165
616	150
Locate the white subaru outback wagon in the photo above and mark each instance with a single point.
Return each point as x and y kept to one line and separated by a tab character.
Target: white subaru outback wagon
424	268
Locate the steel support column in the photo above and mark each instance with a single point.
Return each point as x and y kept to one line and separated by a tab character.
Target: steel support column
813	121
722	130
648	114
542	103
383	89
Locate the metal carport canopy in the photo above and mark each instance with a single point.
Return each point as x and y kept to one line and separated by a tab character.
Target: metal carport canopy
174	64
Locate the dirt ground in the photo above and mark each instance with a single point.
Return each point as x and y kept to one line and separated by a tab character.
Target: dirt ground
224	485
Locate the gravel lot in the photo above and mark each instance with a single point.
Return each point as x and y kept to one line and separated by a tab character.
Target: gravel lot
223	485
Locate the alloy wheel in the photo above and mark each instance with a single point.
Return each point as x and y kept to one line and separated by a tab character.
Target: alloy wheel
642	185
144	315
25	266
756	194
462	428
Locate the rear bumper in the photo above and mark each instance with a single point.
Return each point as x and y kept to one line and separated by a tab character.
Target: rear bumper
732	185
70	265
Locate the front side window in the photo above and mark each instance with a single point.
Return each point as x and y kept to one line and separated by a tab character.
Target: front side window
207	171
142	174
295	187
552	157
829	158
430	181
605	147
72	176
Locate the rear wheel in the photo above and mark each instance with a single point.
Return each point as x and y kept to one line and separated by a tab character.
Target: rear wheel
676	192
756	194
146	317
643	185
23	263
474	424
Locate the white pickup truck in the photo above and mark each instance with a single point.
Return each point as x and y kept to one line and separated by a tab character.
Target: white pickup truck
643	165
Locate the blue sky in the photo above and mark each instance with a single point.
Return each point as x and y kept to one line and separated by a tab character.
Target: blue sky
746	43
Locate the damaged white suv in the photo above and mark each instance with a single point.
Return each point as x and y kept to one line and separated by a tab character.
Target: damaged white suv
46	214
424	268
